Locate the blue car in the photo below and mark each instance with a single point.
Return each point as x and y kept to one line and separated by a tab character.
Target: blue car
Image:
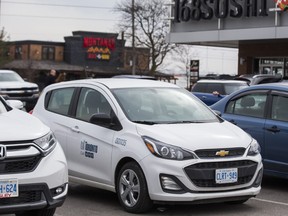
211	91
262	111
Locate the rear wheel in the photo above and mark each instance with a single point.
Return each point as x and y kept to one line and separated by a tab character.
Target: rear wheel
40	212
132	189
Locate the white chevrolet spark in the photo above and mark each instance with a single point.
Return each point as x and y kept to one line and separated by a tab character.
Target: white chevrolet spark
150	142
33	167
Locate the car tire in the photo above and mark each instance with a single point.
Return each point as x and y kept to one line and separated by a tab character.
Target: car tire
132	190
40	212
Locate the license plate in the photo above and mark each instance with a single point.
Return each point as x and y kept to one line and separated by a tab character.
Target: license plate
8	188
223	176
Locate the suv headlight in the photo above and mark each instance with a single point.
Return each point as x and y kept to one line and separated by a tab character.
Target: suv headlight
47	143
254	148
166	151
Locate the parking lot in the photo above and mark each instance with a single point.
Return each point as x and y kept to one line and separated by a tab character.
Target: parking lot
272	201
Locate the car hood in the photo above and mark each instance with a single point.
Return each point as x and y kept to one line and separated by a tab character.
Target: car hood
195	136
17	125
8	85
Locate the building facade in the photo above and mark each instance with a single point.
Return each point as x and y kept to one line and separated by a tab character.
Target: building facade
258	28
82	55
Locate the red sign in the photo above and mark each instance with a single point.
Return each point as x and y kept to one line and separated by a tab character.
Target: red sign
99	42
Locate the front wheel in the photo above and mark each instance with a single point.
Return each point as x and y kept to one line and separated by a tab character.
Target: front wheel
132	189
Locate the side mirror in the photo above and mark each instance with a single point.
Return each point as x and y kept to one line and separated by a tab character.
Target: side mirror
15	104
101	119
104	120
217	112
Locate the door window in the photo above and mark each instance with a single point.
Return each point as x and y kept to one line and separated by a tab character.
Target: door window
91	102
279	108
249	105
60	100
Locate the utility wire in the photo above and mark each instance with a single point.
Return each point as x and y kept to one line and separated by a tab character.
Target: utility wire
50	17
57	5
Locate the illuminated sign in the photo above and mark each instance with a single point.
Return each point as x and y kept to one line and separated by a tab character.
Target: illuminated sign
282	4
207	9
98	48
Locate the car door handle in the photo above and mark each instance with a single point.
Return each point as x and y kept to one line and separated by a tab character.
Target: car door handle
273	129
75	129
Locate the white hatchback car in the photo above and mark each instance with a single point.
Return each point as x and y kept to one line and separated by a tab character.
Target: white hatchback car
150	142
33	167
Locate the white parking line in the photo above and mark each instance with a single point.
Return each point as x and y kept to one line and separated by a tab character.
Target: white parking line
270	201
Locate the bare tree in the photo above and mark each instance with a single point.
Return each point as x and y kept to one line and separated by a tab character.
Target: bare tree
183	55
4	48
151	27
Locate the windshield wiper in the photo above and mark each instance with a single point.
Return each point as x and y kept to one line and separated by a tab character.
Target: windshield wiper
184	122
146	122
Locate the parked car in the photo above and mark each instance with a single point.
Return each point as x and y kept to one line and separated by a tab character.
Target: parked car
13	87
255	79
33	167
148	142
262	111
211	91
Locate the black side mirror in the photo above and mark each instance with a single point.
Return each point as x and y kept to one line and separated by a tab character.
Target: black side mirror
104	120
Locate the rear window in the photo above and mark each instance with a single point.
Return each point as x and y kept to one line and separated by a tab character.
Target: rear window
60	100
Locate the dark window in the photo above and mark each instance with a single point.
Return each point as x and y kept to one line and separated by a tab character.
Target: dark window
18	52
279	108
48	53
249	105
91	102
60	100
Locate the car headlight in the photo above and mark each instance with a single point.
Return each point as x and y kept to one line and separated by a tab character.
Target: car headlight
47	143
166	151
254	148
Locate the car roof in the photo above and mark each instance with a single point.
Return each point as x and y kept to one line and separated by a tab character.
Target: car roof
220	81
113	83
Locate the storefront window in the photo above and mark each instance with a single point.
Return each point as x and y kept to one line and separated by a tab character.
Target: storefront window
18	52
48	53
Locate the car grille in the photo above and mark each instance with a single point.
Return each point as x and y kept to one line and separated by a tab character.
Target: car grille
203	174
21	157
26	164
212	153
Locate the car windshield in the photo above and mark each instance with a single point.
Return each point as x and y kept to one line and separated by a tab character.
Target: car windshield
162	106
232	87
10	77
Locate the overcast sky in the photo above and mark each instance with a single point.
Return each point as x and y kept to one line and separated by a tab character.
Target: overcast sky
52	20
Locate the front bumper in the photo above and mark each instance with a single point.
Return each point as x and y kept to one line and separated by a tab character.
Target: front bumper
37	187
191	192
31	197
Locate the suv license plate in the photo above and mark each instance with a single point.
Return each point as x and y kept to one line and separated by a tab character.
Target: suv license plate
223	176
8	188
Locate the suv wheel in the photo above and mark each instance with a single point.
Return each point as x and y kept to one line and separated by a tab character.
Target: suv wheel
132	189
41	212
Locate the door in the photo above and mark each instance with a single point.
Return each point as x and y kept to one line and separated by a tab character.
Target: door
276	136
89	145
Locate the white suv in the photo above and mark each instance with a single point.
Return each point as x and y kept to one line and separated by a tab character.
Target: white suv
13	87
33	167
150	142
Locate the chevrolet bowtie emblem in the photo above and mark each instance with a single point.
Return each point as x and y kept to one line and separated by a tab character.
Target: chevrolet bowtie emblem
222	153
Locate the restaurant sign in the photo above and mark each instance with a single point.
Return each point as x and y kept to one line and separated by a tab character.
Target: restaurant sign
186	10
98	48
